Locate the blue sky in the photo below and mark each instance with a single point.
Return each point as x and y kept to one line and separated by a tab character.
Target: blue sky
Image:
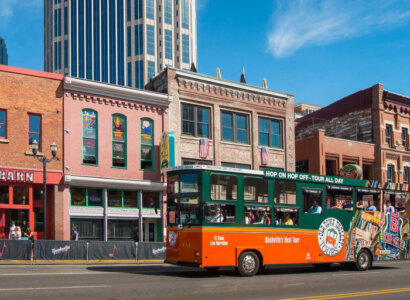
320	51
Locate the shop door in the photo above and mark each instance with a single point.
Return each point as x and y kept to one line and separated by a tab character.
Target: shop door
150	227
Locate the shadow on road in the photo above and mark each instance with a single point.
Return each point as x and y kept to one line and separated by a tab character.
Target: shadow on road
185	272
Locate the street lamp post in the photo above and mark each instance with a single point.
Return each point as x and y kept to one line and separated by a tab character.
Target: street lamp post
44	160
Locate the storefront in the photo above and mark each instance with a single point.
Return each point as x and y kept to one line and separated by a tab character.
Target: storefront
21	200
109	209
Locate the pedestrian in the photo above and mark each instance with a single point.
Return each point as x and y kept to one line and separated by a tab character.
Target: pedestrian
17	233
29	234
12	231
74	234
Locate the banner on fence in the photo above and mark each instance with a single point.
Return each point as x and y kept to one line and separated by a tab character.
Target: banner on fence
60	250
15	250
151	251
111	250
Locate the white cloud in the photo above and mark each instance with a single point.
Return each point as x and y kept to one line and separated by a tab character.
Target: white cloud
200	4
7	7
302	23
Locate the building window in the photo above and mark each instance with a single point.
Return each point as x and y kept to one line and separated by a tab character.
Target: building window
191	162
147	144
90	137
3	124
168	12
150	9
138	9
185	48
302	166
331	167
270	133
150	40
150	199
389	135
138	36
119	141
185	14
195	120
34	129
88	229
235	127
390	173
151	69
86	196
122	198
406	173
168	44
4	194
405	137
128	41
236	166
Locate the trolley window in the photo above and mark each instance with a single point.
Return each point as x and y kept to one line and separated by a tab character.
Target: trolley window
339	197
287	216
255	189
285	192
312	201
224	187
220	213
258	215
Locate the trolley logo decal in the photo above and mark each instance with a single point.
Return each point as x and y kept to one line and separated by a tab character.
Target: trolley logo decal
331	237
172	238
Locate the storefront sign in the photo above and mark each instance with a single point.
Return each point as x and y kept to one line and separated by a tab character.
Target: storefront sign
167	150
275	174
16	176
351	171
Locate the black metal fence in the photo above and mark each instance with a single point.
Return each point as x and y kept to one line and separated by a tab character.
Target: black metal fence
80	251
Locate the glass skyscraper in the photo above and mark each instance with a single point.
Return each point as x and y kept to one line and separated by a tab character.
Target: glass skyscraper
123	42
3	52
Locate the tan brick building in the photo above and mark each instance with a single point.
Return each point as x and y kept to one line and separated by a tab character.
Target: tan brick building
31	107
369	128
239	121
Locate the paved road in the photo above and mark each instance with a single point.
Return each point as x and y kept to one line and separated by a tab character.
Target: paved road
384	281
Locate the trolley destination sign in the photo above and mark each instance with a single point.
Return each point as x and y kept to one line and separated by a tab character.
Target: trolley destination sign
313	178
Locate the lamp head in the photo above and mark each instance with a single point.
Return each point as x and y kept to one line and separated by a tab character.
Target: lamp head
53	149
34	147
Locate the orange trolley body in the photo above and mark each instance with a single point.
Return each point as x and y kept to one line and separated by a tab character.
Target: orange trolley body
211	222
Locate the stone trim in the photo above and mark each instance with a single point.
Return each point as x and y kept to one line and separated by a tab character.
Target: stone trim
216	90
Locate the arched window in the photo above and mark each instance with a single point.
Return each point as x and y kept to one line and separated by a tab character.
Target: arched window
147	144
119	141
90	136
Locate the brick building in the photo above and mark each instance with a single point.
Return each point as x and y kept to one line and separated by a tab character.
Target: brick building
31	108
111	166
369	128
245	126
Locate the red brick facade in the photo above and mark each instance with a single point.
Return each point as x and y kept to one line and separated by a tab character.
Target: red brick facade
353	130
24	92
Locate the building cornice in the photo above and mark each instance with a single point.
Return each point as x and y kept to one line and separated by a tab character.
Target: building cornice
231	84
217	90
114	91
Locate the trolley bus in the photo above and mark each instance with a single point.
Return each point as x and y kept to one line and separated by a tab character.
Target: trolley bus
250	219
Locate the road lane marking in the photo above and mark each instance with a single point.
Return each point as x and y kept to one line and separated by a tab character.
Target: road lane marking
46	274
350	274
294	284
351	295
56	288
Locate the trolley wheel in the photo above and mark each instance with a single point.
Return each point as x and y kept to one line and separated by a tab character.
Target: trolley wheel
248	263
363	260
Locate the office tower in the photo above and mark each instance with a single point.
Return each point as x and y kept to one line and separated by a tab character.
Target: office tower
3	52
124	42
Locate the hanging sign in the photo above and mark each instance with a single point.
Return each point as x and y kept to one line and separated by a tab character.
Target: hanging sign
351	171
167	151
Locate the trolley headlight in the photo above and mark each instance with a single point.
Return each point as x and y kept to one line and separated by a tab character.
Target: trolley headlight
197	254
